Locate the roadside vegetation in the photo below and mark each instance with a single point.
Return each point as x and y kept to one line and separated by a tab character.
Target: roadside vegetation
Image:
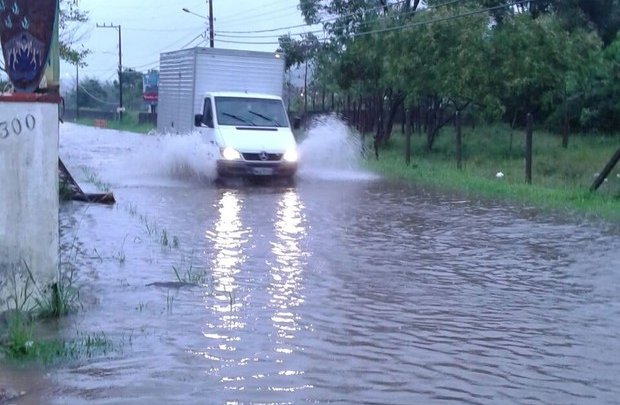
494	167
381	63
129	123
494	63
32	310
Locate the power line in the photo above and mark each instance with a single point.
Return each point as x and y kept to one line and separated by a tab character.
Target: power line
251	10
273	13
400	27
83	89
442	19
193	29
305	25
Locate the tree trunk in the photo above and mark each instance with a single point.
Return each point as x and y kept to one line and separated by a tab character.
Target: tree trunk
379	130
565	131
389	124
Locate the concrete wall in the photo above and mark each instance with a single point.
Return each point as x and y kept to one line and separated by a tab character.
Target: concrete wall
28	195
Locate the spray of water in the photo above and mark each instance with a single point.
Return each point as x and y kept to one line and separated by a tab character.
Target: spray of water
331	150
178	156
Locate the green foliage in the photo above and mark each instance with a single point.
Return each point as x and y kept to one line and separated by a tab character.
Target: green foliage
297	52
598	97
484	56
129	123
22	343
91	93
561	177
69	20
95	94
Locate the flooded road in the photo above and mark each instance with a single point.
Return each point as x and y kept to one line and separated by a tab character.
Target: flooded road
343	289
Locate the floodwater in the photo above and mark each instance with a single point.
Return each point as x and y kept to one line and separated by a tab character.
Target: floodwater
342	289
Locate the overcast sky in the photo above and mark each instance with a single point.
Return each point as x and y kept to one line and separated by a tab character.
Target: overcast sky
150	27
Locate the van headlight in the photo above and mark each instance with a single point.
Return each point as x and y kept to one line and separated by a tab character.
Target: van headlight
291	156
230	154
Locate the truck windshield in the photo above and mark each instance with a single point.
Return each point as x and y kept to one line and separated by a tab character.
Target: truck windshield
250	111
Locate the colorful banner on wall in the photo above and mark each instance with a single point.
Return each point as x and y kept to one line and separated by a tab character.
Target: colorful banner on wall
26	33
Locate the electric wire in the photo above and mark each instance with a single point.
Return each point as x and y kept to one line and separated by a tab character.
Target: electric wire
396	28
97	99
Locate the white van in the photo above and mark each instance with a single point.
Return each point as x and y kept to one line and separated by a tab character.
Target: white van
233	98
252	132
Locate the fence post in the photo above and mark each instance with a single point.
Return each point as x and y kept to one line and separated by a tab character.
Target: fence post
407	137
459	141
528	148
608	167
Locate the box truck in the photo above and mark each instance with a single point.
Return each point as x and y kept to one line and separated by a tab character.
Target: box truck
233	98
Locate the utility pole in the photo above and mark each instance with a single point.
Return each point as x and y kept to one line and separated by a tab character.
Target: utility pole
77	91
120	66
211	28
210	19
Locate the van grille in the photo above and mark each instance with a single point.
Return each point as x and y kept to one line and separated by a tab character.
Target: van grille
271	157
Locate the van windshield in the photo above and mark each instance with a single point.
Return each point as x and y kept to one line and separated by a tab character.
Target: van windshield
257	112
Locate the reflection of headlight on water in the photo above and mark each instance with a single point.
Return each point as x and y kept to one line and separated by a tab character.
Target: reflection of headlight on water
291	156
230	154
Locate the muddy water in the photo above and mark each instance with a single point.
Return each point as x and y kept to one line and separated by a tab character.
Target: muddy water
342	289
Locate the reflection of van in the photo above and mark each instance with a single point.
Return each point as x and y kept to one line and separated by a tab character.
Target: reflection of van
233	98
252	132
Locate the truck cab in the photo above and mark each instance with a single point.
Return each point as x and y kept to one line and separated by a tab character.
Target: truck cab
252	132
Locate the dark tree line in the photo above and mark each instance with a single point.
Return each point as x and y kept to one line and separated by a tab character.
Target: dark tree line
487	59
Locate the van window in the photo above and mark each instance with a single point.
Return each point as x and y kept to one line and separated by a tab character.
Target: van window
240	111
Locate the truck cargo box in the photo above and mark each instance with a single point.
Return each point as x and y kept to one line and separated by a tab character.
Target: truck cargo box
186	75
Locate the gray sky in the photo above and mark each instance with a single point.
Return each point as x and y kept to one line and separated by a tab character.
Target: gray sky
152	26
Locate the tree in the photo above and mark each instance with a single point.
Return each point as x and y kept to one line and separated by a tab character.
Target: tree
532	58
297	52
132	88
92	93
442	62
69	19
599	93
600	16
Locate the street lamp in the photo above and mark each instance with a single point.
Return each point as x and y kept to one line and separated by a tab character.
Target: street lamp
211	30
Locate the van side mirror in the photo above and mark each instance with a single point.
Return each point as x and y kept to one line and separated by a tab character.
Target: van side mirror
200	119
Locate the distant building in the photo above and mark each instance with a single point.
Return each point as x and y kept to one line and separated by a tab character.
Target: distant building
150	89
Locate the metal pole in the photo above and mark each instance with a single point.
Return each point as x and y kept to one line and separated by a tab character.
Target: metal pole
120	73
459	141
120	65
528	148
306	95
211	28
77	91
407	136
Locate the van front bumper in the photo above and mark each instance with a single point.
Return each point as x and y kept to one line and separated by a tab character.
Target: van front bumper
226	168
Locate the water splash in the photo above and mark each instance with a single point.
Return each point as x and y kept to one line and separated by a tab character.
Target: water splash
177	156
332	151
128	159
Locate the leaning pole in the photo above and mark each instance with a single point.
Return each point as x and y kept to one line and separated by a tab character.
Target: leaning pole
29	125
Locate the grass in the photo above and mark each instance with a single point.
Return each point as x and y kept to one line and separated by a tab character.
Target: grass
90	176
187	273
561	178
29	306
129	123
22	344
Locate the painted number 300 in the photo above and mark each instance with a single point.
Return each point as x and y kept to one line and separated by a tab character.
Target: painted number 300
17	126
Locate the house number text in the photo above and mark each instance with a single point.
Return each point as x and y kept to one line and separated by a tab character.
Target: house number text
17	126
